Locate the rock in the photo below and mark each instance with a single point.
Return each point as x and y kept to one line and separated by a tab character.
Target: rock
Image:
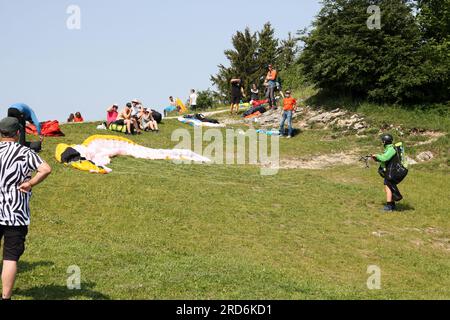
410	161
359	126
326	117
425	156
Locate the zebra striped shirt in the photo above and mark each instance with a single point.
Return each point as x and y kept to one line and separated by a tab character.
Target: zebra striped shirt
16	166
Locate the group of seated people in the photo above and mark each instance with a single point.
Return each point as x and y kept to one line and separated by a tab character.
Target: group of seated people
77	118
134	116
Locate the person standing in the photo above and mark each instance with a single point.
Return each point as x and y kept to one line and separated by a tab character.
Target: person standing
237	92
271	80
289	107
24	113
16	166
193	100
393	194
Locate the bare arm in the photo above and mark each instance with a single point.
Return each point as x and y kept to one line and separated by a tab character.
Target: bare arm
43	172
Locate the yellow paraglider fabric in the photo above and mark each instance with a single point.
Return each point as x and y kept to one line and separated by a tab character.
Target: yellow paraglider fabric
83	165
182	106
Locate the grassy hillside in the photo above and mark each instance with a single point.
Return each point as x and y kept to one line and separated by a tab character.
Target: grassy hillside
156	230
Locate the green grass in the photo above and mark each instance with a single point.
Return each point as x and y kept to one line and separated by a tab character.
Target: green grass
156	230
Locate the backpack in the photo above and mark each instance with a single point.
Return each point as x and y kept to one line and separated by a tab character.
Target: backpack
117	128
397	168
157	116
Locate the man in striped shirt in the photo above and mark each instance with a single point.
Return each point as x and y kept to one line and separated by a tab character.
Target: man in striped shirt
17	163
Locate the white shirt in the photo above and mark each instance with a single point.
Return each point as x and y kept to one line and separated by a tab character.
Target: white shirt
193	98
135	110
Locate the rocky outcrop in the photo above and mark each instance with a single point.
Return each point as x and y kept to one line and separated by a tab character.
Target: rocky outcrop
425	156
312	118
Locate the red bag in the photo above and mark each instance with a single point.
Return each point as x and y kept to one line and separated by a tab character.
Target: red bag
48	129
258	103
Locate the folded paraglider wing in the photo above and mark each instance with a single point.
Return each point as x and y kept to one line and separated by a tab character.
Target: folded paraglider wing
97	151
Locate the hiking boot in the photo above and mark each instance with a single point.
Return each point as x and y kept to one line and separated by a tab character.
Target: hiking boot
389	208
289	137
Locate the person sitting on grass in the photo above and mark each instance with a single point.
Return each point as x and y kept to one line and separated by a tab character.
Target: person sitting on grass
393	194
78	118
148	123
111	114
289	107
124	119
71	118
254	93
173	106
136	109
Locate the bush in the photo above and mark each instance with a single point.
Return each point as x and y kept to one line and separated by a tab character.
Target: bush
206	100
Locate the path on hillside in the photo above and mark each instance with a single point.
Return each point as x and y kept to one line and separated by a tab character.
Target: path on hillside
206	114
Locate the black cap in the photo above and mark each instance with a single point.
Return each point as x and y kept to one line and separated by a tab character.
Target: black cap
129	105
9	125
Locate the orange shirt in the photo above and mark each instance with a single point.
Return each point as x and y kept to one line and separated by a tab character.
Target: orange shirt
272	75
289	104
78	119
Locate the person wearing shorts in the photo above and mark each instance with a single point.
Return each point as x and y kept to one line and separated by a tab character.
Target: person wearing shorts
237	92
17	163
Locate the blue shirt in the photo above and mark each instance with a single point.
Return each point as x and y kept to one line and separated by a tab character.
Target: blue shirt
28	113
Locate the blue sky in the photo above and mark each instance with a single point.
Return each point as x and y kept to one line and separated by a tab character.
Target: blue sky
124	50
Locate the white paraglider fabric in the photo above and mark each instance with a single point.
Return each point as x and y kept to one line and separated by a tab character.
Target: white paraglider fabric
101	151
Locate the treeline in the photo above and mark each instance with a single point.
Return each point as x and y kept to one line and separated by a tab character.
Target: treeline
405	59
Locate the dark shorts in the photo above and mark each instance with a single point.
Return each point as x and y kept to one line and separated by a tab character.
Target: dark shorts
235	99
14	242
119	122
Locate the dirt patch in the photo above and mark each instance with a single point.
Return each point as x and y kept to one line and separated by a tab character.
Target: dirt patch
381	234
433	137
431	230
321	161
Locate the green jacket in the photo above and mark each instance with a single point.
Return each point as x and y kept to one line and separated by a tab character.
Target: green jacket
389	153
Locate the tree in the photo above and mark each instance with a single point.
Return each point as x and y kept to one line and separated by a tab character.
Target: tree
434	19
391	64
268	49
288	52
244	64
206	99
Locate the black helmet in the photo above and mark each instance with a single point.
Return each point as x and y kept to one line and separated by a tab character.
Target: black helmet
387	139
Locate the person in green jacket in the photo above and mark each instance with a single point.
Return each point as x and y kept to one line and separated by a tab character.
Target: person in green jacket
393	194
